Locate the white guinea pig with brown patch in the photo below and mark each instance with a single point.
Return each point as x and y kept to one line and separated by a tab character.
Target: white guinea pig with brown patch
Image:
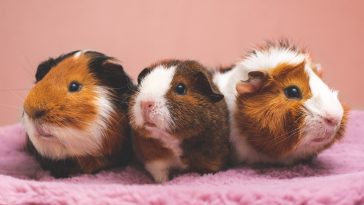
75	116
281	111
179	120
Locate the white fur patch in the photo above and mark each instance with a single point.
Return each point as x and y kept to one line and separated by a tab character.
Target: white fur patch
271	58
71	142
323	103
79	53
159	169
169	141
153	88
105	109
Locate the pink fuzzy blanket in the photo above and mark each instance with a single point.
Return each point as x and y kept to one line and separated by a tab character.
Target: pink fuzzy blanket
335	177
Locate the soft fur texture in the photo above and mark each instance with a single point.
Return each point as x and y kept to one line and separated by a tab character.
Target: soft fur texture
335	177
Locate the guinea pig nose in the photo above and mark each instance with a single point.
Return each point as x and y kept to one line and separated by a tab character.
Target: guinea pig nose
38	114
146	105
331	121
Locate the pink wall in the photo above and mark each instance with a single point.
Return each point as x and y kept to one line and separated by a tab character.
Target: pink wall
139	33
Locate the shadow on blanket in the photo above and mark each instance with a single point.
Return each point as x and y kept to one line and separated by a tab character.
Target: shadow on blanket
336	176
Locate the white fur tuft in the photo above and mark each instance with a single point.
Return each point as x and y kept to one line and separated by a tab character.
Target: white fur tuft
79	53
271	58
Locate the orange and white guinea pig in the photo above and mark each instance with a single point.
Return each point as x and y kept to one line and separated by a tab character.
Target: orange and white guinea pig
179	120
75	116
281	111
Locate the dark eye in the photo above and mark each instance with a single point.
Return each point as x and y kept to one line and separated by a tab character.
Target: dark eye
74	87
180	89
293	92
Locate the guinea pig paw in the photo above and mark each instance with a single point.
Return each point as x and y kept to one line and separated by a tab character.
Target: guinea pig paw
161	178
159	170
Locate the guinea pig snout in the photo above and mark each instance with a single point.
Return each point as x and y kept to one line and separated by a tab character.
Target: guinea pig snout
147	108
147	105
331	121
35	113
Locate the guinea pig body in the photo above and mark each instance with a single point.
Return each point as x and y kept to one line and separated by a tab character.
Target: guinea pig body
179	120
75	116
281	112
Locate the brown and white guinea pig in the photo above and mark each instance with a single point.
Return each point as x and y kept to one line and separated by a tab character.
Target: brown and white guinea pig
281	111
75	116
179	120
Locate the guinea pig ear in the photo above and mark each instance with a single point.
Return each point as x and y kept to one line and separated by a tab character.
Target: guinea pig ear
114	75
112	66
44	68
205	88
142	74
253	84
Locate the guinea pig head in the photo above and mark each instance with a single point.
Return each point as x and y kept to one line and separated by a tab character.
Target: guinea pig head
285	109
173	96
74	97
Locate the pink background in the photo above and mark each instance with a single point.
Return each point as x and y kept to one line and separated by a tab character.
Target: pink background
213	32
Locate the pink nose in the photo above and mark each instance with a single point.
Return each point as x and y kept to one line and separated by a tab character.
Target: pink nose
146	105
331	121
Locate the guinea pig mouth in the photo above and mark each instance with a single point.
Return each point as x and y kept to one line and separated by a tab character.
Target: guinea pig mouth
150	124
42	133
319	139
148	120
325	137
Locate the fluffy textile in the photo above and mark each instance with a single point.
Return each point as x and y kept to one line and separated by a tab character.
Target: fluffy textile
335	177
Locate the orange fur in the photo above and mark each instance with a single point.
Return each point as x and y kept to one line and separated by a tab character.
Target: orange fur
64	109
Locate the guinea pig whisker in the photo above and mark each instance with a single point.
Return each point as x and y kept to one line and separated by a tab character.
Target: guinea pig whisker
308	111
282	138
76	121
285	136
294	130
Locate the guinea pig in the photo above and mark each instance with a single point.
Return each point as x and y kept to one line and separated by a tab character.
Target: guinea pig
179	120
281	112
75	116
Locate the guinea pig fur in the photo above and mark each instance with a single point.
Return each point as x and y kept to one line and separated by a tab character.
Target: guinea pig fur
281	112
75	116
179	120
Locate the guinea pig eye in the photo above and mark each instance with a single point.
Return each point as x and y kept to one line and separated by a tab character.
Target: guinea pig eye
74	86
181	89
293	92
